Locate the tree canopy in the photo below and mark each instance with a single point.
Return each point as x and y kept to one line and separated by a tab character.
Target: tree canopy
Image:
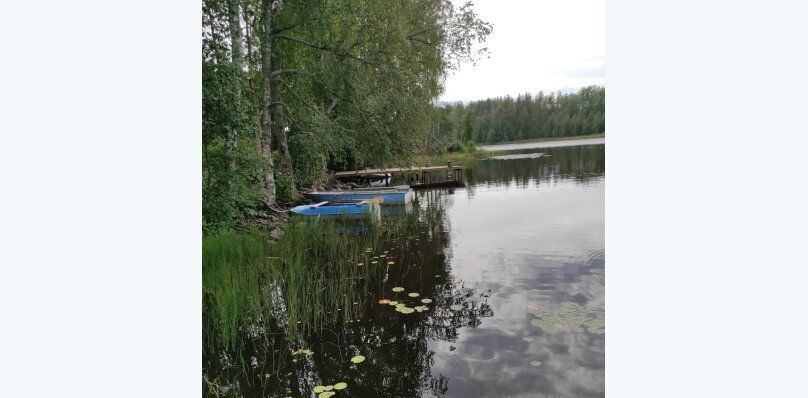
526	117
293	88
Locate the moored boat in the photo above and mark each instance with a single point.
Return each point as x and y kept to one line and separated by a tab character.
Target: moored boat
392	195
334	209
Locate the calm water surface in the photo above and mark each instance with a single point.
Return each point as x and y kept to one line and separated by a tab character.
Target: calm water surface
520	250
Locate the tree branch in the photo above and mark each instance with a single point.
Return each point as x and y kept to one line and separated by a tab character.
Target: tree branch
324	47
285	28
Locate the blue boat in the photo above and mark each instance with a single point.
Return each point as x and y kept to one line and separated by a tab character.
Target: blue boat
394	195
338	209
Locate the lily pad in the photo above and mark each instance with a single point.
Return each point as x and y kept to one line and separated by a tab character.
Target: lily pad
340	386
535	363
329	388
456	307
398	289
401	305
426	301
326	394
358	359
360	264
374	262
393	303
413	294
319	389
391	263
406	310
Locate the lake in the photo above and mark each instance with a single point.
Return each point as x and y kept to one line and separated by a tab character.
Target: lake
512	270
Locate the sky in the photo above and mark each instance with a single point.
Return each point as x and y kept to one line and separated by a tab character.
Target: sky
535	45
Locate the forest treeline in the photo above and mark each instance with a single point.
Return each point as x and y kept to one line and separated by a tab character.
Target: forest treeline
524	117
293	88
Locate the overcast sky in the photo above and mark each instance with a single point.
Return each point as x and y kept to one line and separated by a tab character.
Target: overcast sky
535	45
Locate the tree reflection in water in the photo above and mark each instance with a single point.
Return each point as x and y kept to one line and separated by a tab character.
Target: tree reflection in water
263	363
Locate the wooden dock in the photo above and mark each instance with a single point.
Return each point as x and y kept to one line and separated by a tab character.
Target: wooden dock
422	174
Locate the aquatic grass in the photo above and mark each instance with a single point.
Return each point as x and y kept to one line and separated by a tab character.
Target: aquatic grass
300	283
231	276
318	285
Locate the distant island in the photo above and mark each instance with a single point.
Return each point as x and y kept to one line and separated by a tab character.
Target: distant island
526	117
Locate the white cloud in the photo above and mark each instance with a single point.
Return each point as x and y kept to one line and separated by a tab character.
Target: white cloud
535	45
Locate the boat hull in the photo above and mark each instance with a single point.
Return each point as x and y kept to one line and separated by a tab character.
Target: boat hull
388	197
336	209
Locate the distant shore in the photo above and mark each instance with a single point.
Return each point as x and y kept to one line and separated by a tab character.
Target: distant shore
594	139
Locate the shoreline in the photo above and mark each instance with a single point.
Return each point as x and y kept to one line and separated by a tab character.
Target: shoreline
545	139
541	143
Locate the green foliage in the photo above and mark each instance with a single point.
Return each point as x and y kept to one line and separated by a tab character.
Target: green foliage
527	117
354	81
227	196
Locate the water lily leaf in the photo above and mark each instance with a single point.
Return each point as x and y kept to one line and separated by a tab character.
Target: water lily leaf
528	339
401	305
319	389
374	262
340	386
393	303
360	264
358	359
398	289
426	301
329	388
326	394
413	294
391	263
535	363
406	310
456	307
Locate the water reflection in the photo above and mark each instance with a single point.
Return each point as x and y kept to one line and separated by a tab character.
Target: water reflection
519	250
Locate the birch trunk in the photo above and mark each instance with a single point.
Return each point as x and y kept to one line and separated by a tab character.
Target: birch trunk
266	114
236	55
